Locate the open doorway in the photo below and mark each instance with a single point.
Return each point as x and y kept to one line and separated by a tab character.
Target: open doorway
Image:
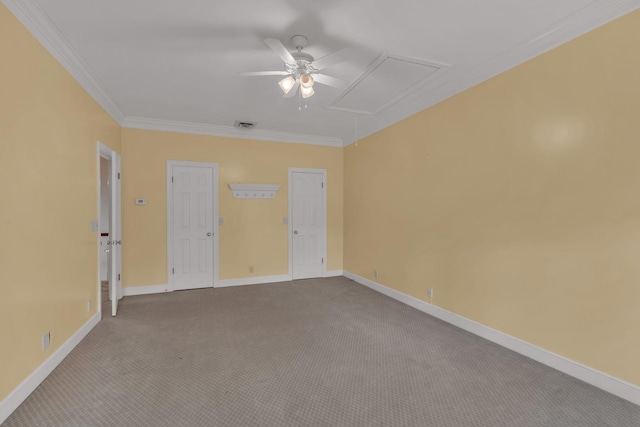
109	249
105	241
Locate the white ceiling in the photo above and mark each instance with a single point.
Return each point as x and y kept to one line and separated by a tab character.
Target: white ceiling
174	65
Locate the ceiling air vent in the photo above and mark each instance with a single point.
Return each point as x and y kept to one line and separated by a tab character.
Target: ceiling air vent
244	125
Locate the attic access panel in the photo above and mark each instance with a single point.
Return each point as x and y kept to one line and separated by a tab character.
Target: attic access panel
387	80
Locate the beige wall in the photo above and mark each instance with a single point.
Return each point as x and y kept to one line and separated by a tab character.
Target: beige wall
48	177
518	202
253	233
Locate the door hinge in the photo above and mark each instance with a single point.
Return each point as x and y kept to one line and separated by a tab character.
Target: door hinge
118	175
173	271
118	277
323	260
171	179
323	185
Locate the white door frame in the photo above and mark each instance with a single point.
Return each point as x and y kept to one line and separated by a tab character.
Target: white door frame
170	165
107	153
289	221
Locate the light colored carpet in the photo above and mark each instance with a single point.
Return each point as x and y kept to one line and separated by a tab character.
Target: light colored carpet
325	352
106	304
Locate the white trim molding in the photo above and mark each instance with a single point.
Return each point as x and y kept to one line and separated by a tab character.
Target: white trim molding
225	283
458	79
333	273
584	373
216	239
145	290
31	15
254	191
437	68
20	393
437	89
228	131
252	281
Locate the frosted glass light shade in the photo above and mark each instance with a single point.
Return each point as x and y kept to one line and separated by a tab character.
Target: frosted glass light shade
306	80
306	91
287	83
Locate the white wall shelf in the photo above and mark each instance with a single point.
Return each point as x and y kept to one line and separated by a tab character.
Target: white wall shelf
254	191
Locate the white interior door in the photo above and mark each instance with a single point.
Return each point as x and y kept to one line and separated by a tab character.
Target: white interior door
308	223
115	235
193	227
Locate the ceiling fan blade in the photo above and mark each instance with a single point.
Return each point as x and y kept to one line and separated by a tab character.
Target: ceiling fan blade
332	59
293	90
329	81
277	46
264	73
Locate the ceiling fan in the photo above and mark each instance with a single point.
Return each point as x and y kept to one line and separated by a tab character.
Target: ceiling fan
301	69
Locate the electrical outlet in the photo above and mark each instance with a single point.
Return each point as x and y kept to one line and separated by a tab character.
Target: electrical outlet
89	306
375	273
430	292
251	269
46	340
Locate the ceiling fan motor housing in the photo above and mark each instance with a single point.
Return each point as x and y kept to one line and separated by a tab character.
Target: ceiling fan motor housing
302	65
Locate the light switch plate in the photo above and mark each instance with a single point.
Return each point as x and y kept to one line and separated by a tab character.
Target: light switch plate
220	221
94	226
46	340
285	220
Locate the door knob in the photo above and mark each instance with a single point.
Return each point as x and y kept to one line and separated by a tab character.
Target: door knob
209	234
295	232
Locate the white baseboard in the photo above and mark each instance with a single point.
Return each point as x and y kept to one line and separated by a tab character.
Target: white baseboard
158	289
145	290
253	281
266	279
333	273
20	393
589	375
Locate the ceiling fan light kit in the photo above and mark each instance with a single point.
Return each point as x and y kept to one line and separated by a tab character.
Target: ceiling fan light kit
300	67
306	91
287	84
306	81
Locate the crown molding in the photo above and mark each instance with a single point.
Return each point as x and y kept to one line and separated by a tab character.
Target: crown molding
228	131
31	15
458	80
